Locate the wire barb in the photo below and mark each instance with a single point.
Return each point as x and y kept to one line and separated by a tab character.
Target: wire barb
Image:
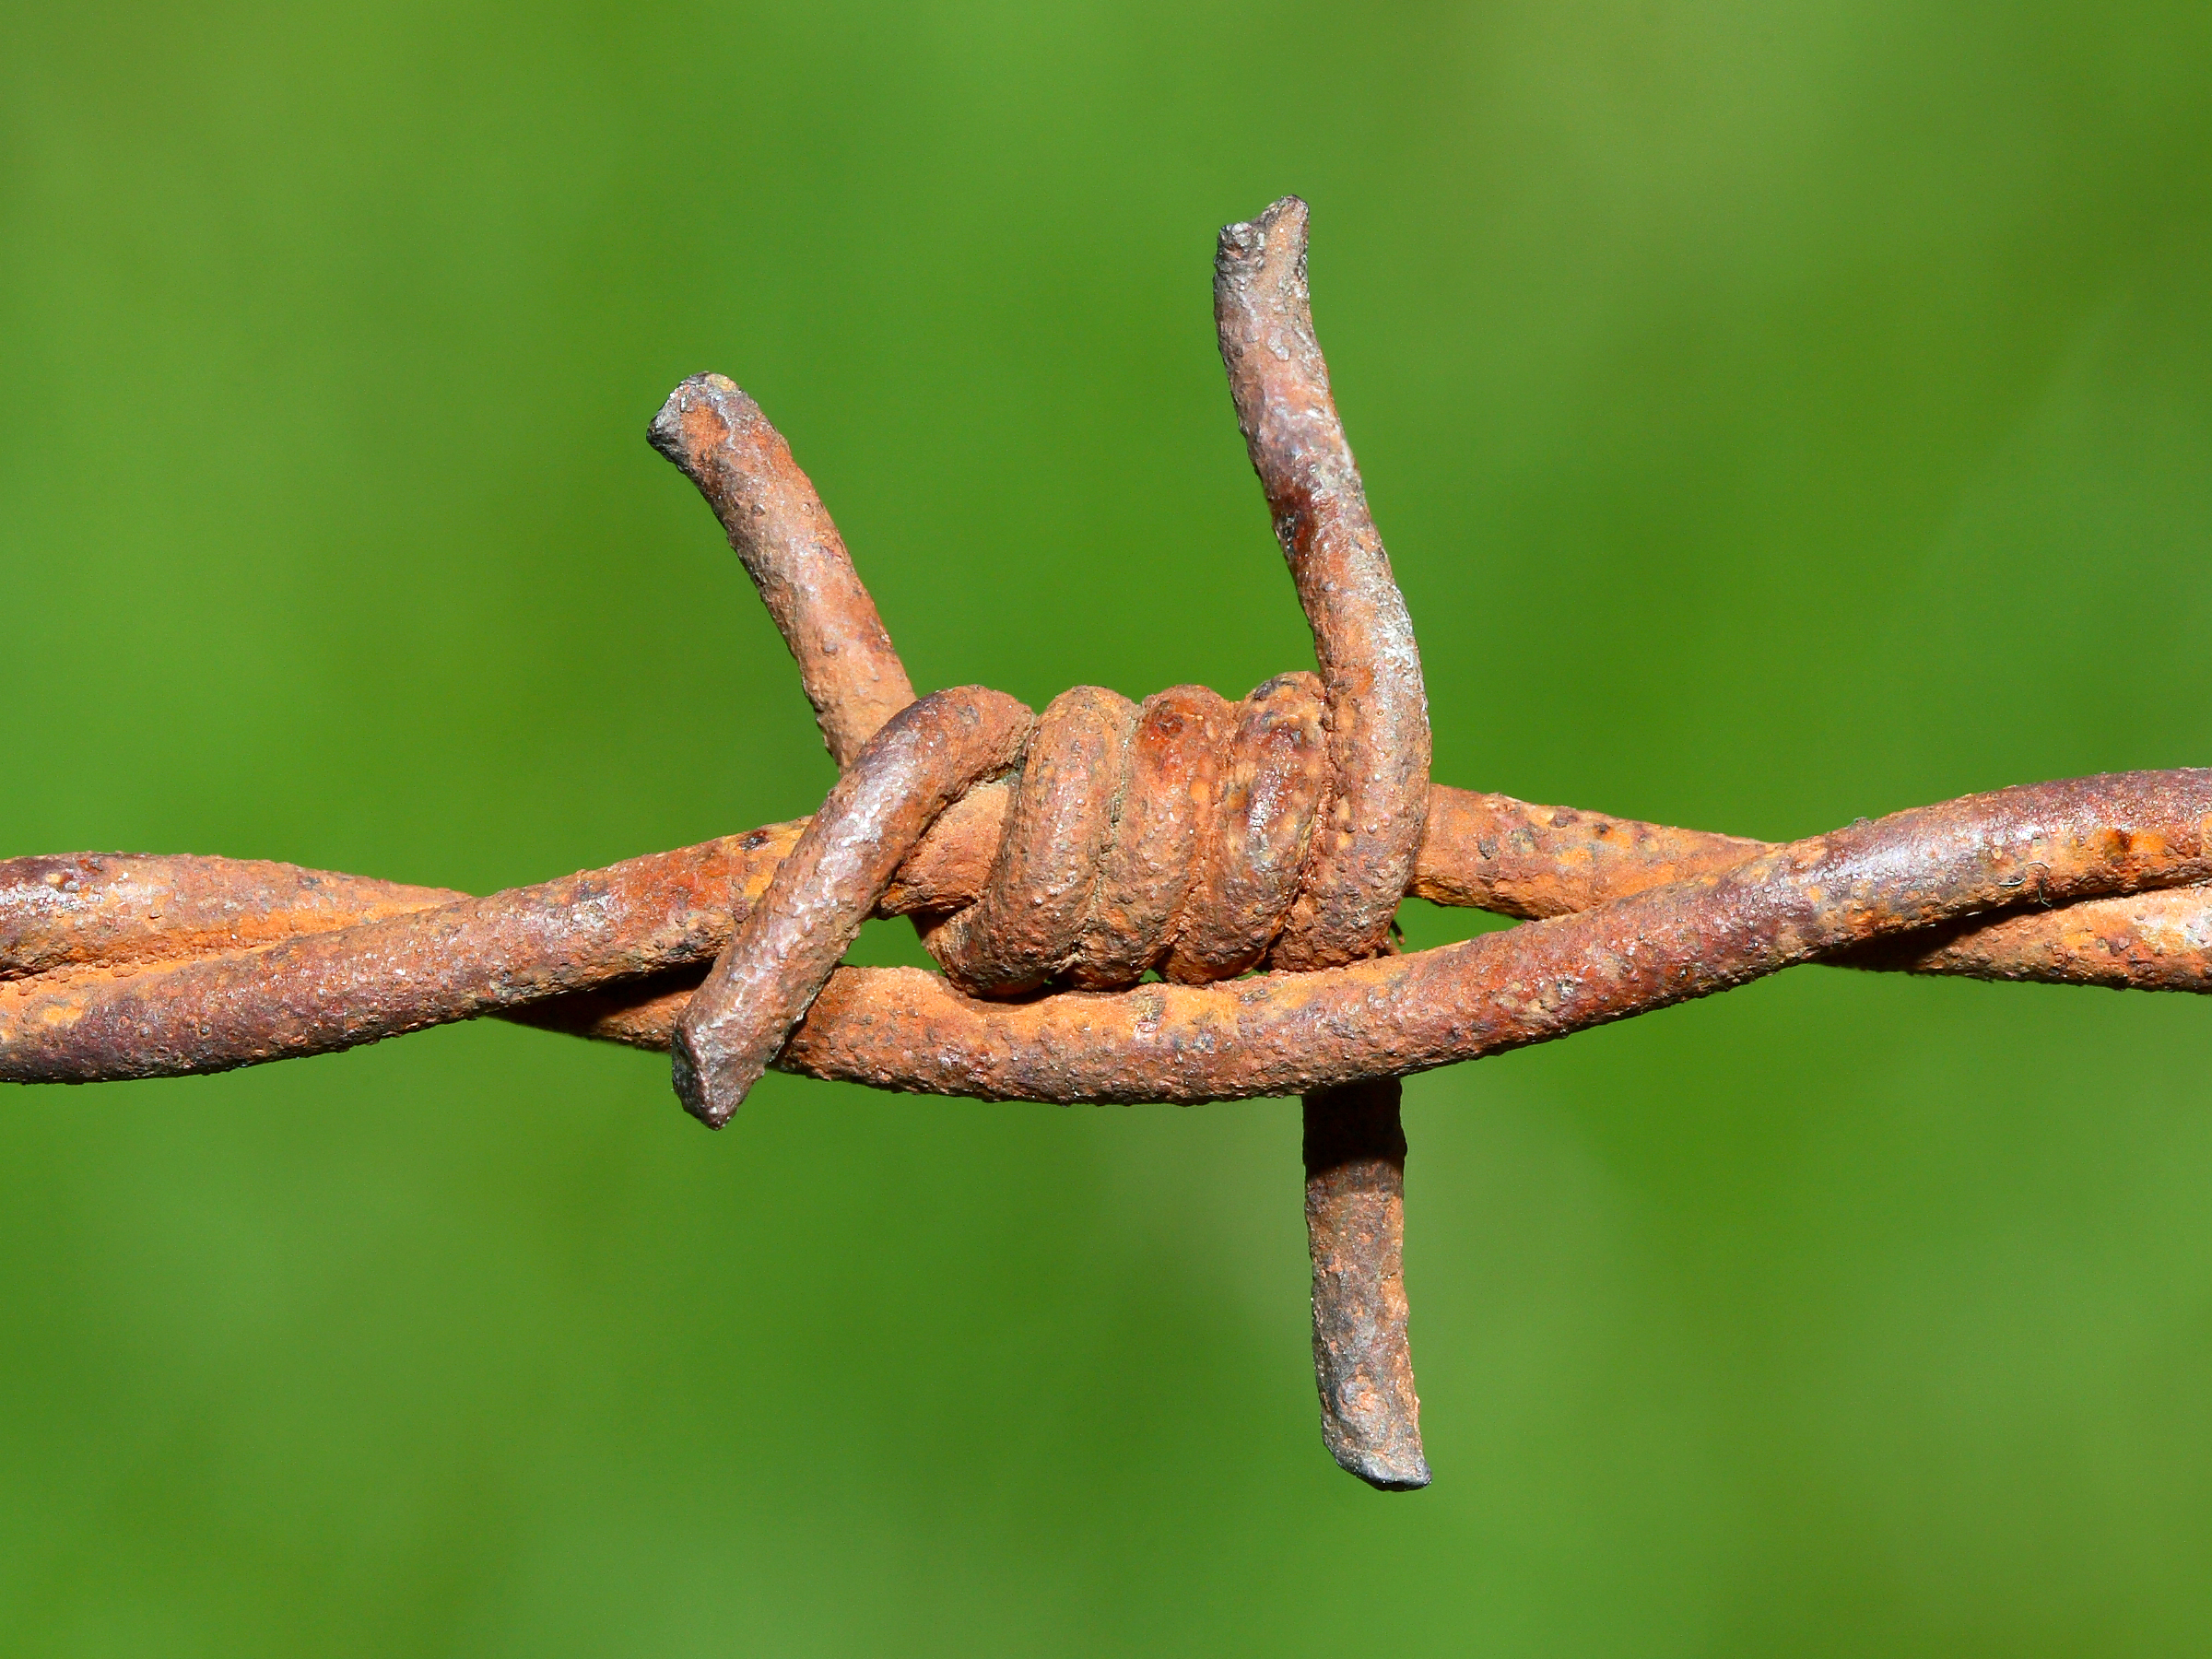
1364	836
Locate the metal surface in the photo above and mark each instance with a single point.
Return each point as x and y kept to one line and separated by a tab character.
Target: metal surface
1355	1156
1190	837
73	923
1371	669
1361	845
776	961
782	534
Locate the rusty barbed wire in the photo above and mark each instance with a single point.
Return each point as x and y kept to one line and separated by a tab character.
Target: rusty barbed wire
1053	862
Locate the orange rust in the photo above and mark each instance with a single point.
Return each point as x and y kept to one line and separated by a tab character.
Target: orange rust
821	892
781	531
1339	897
1482	850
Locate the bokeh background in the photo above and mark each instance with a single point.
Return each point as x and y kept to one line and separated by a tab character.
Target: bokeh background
1777	413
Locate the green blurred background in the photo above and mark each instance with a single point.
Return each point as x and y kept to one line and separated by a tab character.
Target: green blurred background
1777	413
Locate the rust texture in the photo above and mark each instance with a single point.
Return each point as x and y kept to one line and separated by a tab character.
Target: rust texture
81	910
1289	1033
1378	712
1361	845
1025	923
782	534
1053	863
316	991
73	917
660	919
764	980
1354	1156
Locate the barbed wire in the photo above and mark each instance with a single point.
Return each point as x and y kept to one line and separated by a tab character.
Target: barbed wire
1099	883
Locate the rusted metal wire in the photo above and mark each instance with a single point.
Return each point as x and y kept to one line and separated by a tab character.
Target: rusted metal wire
1360	851
783	535
1053	864
786	946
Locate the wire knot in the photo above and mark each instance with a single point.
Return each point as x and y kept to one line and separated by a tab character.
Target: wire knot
1171	836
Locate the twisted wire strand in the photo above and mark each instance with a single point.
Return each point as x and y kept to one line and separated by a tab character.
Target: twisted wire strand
116	966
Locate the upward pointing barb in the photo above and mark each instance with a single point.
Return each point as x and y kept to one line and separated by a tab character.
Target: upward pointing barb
1370	667
783	534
